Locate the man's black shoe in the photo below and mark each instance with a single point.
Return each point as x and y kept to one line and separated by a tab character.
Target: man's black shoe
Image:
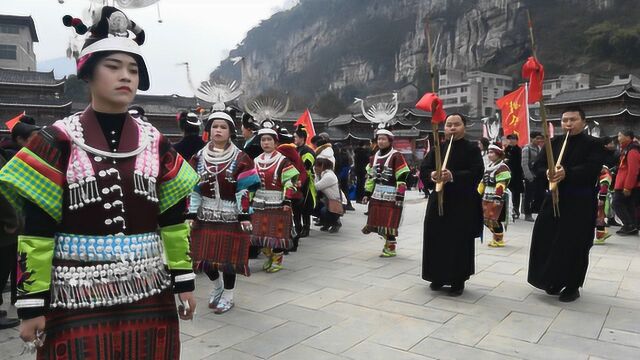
435	286
7	323
613	222
627	231
569	295
553	290
456	290
529	218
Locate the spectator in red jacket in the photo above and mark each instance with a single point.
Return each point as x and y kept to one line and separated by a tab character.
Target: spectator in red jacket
627	189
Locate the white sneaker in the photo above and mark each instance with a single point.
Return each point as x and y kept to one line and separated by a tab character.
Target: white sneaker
214	297
224	305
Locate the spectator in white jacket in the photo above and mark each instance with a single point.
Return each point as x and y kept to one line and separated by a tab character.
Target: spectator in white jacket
327	184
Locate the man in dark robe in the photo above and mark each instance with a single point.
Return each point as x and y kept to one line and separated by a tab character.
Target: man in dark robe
560	245
448	250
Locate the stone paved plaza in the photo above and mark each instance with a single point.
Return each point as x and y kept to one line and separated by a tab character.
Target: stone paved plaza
337	299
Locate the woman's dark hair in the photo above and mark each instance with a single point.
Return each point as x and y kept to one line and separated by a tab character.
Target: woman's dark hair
318	140
87	70
324	164
485	143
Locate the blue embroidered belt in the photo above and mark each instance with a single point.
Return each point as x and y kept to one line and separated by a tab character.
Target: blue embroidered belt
107	248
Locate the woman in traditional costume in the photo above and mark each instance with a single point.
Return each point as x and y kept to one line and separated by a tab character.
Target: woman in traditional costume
272	202
105	244
384	191
494	191
604	182
220	202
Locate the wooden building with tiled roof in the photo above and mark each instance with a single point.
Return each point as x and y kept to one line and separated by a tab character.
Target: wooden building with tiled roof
614	107
39	94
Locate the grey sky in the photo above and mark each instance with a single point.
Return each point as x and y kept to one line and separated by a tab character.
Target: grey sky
198	31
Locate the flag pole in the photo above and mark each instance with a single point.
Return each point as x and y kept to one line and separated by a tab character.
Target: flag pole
434	126
551	166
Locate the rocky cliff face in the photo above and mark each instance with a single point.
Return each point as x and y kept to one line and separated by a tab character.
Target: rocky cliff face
355	47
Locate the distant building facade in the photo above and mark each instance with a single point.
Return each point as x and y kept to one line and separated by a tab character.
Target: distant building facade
474	91
552	87
17	35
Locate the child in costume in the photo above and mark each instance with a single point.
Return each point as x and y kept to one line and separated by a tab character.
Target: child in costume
603	204
493	189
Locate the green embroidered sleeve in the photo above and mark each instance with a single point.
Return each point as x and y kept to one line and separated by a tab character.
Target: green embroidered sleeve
370	182
175	239
35	255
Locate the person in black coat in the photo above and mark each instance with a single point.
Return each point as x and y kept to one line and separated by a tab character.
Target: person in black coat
191	142
513	158
560	245
360	161
448	251
249	131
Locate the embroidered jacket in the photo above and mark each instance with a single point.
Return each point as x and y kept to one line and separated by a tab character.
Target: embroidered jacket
233	181
107	204
388	169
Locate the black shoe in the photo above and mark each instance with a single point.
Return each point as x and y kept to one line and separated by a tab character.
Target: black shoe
334	229
529	218
569	295
7	323
349	208
435	286
613	222
456	290
296	241
553	290
366	213
324	228
627	231
254	251
305	232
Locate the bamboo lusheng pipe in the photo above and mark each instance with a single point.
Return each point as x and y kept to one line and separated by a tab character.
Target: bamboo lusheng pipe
545	131
440	184
554	185
434	126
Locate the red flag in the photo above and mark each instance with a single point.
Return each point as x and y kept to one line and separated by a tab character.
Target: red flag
515	114
11	123
306	121
430	102
534	72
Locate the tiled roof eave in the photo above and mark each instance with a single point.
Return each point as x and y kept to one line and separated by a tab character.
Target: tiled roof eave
37	105
32	84
573	101
625	110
